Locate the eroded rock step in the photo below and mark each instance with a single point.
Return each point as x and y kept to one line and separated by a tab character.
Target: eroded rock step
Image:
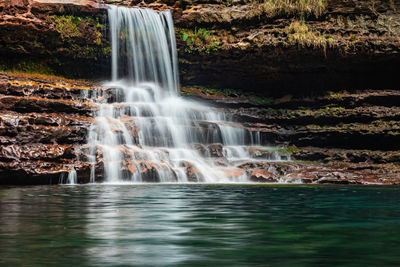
325	116
358	120
60	137
357	130
158	164
43	123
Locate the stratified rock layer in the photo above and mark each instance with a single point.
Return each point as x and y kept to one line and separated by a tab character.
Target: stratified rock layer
273	48
63	37
44	123
337	137
264	46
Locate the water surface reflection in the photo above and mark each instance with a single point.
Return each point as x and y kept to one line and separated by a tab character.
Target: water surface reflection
198	224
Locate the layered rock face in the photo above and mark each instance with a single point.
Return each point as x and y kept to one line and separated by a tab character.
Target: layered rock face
339	137
265	46
63	37
318	79
43	126
282	45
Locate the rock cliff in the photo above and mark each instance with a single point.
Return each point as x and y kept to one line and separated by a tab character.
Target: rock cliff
317	78
265	46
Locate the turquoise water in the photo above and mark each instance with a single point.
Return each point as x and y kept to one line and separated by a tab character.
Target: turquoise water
197	225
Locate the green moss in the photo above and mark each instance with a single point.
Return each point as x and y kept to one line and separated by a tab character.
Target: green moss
75	26
288	150
185	92
213	91
107	50
228	3
68	26
261	100
332	108
28	66
199	40
335	96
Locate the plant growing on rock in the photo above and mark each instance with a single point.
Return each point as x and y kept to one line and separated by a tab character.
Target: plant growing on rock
296	7
199	40
85	29
68	26
75	26
299	34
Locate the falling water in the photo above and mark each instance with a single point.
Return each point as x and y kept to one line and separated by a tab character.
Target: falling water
72	177
144	131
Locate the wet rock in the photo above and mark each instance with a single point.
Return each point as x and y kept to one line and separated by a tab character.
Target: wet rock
41	137
202	149
234	174
263	176
35	151
215	150
193	174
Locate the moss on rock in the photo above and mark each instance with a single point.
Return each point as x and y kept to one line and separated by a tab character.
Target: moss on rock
198	40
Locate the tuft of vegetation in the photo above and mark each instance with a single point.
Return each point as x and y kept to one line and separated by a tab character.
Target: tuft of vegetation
260	100
299	34
42	76
107	50
302	8
288	150
214	91
199	40
68	26
28	66
73	26
228	3
335	96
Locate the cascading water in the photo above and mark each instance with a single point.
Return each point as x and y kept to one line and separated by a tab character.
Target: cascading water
144	131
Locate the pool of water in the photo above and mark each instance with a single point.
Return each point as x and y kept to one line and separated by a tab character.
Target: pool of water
189	225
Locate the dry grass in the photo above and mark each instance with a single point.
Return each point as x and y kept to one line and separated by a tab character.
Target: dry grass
296	7
299	34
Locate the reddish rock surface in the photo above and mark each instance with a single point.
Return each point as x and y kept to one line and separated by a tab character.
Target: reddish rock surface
40	131
334	137
43	137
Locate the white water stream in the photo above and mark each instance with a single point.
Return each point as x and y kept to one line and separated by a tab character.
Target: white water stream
146	132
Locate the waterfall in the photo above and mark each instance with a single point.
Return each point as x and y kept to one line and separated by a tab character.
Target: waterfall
72	177
144	131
